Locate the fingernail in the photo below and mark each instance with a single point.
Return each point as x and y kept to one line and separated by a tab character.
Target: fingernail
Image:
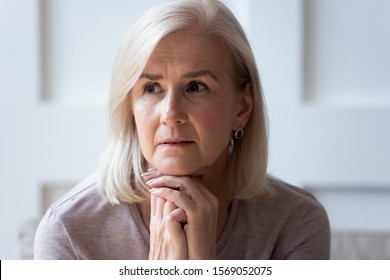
150	172
146	174
150	181
154	190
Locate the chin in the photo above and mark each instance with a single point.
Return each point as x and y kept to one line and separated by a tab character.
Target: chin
173	169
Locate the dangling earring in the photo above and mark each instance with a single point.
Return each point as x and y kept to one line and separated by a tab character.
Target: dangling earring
231	145
239	133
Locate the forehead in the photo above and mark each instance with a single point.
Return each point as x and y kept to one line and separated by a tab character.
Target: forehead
193	50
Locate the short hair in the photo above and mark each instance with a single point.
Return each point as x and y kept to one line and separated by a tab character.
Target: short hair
122	163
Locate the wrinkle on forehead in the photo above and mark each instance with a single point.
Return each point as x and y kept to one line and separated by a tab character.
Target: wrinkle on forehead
195	50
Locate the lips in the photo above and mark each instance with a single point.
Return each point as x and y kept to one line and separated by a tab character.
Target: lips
175	141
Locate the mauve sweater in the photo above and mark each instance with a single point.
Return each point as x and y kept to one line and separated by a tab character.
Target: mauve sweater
290	224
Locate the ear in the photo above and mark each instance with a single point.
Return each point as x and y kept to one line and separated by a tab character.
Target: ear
245	107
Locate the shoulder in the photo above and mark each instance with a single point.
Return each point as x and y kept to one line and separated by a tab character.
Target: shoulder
86	207
284	199
291	219
295	205
74	225
85	195
291	196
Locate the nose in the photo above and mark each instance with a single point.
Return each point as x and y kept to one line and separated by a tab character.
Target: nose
174	111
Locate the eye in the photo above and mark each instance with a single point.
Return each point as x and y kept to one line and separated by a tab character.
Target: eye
152	88
196	87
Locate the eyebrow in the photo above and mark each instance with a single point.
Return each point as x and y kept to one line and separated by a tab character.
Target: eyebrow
150	76
194	74
200	73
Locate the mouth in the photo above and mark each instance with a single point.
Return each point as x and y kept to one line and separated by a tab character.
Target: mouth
175	142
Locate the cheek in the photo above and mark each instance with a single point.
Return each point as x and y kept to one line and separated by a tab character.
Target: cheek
216	129
145	124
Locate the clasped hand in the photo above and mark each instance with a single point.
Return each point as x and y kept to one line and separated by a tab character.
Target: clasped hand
183	217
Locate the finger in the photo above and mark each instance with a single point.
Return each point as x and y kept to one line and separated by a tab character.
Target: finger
177	197
175	222
173	182
160	204
178	215
184	184
169	207
198	185
151	174
153	205
189	186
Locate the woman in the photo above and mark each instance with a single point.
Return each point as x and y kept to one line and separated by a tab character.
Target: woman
183	173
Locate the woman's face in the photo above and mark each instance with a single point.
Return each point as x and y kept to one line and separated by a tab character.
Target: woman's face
186	105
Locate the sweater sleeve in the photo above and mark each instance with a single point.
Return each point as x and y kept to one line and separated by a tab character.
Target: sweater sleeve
52	240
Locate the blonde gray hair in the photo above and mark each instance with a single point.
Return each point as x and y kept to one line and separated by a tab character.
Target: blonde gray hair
122	163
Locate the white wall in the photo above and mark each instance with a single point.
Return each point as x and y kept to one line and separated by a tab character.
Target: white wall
325	72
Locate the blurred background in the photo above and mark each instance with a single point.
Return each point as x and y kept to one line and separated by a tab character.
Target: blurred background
325	69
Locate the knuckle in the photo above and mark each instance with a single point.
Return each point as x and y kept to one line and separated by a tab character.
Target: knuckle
169	218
